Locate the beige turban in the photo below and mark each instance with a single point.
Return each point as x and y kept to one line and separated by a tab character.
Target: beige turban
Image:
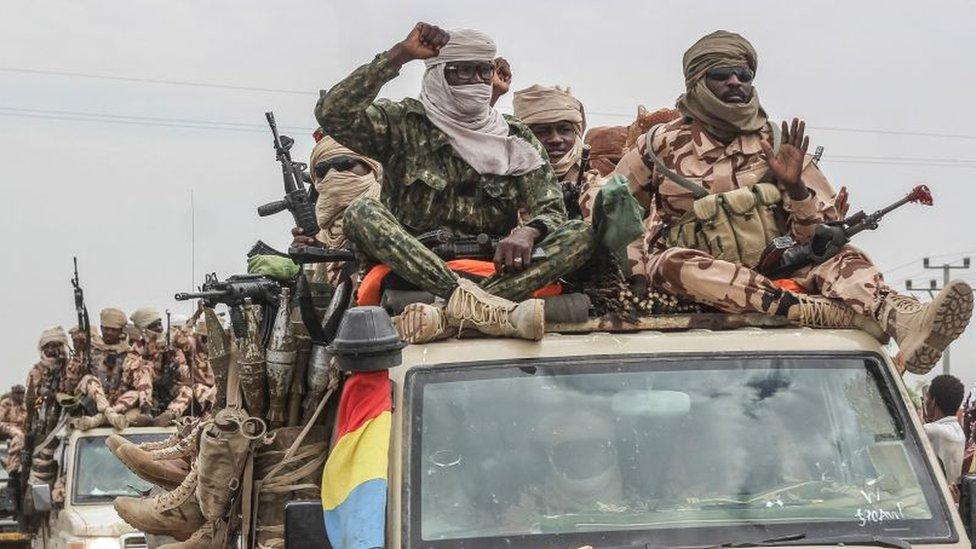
53	335
338	189
145	316
723	120
548	105
113	318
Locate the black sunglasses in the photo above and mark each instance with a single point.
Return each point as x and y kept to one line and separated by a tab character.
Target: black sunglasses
338	163
744	74
467	71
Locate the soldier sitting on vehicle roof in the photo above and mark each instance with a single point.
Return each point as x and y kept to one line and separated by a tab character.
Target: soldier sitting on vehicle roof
453	162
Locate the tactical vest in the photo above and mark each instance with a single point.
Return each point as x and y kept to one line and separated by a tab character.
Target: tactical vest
734	226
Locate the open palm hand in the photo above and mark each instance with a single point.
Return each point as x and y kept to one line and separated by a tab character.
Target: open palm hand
787	163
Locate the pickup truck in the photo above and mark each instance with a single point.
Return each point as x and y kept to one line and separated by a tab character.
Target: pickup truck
93	479
621	437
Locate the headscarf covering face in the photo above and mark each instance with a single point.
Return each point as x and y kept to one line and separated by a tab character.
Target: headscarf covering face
549	105
143	318
52	335
723	120
606	147
112	318
338	189
477	132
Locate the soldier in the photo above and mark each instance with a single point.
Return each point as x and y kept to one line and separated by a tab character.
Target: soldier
453	162
558	121
44	380
724	143
157	374
191	340
13	416
112	393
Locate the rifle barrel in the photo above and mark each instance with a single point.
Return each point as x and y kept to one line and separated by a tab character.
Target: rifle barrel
210	294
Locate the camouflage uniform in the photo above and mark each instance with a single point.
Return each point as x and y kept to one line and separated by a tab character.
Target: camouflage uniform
685	147
427	186
12	423
106	384
201	377
143	367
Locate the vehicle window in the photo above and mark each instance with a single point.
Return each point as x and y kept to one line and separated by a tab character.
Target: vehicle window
99	476
718	449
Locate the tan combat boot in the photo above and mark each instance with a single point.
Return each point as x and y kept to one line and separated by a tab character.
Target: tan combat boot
421	322
924	330
185	428
816	311
165	466
224	447
115	419
470	306
174	513
85	423
201	539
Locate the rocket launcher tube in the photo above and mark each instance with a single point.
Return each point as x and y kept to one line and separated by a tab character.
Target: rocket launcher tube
218	353
281	355
251	366
316	380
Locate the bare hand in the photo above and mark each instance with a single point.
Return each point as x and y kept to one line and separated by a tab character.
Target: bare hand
299	238
787	164
842	203
423	42
502	81
514	252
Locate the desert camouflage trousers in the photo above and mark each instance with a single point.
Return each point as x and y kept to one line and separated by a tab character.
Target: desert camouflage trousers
90	386
15	435
377	234
849	276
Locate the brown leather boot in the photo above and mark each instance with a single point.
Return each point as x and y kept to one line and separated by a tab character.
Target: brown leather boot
224	446
201	539
924	330
165	466
470	306
174	513
422	322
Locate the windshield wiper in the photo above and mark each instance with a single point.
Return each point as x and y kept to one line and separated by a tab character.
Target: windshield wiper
802	539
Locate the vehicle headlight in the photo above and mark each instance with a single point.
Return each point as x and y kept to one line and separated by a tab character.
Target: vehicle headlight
94	543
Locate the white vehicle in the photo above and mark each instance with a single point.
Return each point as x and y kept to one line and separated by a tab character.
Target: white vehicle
93	479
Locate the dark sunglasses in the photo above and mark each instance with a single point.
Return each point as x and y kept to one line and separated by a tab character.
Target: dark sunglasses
744	74
467	71
338	163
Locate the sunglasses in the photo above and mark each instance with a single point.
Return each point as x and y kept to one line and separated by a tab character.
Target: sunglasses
467	71
744	74
339	163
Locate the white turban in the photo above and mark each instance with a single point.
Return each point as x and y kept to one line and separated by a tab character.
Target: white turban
112	318
478	133
145	316
53	335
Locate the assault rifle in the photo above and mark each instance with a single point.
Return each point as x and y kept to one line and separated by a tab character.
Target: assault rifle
297	199
448	246
235	292
84	324
784	256
573	189
163	383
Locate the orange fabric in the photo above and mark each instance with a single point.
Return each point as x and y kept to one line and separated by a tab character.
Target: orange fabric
789	285
371	286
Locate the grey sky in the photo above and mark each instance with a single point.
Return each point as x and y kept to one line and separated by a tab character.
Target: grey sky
117	195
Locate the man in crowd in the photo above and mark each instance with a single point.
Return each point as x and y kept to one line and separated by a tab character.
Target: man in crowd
44	380
110	391
939	407
724	142
453	162
13	417
558	121
160	376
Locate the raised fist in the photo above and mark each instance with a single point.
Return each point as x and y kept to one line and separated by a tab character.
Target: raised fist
423	42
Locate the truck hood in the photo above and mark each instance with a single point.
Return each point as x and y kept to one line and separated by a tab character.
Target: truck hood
95	520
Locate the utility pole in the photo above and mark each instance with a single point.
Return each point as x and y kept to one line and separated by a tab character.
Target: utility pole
934	287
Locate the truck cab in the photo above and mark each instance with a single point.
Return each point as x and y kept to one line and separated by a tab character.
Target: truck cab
93	479
758	435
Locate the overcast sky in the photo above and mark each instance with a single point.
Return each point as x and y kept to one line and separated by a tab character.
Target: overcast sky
114	189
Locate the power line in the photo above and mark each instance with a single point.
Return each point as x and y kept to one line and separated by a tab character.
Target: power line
142	120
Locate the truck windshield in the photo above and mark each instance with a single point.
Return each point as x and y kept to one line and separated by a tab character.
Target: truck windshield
99	476
664	451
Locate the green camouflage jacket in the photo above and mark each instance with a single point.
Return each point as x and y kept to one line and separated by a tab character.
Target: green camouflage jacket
425	184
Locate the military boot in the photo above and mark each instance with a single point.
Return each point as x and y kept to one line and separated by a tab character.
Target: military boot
924	330
115	419
85	423
174	513
165	466
224	446
816	311
201	539
470	306
421	322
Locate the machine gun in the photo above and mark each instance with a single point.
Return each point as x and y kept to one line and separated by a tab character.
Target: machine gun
573	189
448	246
84	324
169	372
297	200
784	256
235	292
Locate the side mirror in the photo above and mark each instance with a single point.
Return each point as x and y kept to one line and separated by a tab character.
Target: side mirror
967	511
40	498
305	525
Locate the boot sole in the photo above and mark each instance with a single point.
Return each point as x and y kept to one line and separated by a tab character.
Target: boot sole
414	335
948	323
146	476
538	321
114	443
151	528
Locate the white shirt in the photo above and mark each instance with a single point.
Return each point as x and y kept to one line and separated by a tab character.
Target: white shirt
949	443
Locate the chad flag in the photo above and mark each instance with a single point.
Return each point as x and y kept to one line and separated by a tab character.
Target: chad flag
354	480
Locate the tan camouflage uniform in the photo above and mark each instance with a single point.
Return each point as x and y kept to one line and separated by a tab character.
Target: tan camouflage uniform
12	424
201	378
106	385
689	150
